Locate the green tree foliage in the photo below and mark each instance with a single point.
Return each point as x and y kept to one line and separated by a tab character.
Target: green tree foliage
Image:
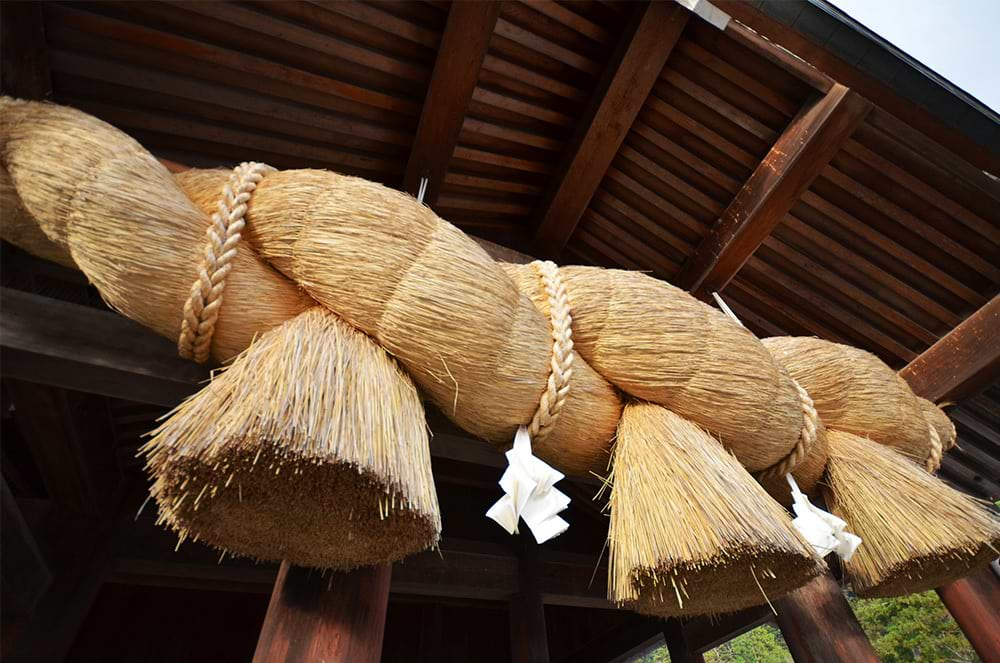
902	630
913	628
763	644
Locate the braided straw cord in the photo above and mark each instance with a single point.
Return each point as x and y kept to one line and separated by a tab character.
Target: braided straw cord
936	452
807	438
201	311
557	389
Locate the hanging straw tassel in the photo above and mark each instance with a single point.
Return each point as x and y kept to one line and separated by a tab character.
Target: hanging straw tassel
918	532
311	447
432	297
691	532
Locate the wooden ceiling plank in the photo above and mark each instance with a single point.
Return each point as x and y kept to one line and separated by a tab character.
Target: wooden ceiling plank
709	137
873	272
856	325
260	74
912	224
463	47
849	290
757	88
676	183
701	166
719	105
892	249
624	86
962	362
925	191
655	200
801	152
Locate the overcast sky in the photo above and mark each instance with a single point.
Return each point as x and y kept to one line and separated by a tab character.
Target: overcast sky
958	39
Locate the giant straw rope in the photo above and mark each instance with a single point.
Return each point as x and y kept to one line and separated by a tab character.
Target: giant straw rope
495	346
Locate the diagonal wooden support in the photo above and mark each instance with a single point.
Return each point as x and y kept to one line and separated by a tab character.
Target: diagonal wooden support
333	617
962	361
974	602
624	86
819	626
460	57
802	151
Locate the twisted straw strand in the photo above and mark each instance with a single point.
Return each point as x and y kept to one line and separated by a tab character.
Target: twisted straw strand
936	452
807	438
201	311
557	388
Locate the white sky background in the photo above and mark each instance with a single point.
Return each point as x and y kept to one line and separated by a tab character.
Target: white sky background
957	39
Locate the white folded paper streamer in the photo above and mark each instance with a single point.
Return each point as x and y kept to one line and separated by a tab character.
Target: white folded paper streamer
529	494
824	531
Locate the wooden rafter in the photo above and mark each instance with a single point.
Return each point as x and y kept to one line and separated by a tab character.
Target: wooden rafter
806	146
962	361
25	62
623	88
460	57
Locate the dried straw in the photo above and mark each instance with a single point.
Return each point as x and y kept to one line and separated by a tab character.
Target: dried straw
937	418
311	447
856	392
430	295
918	532
102	198
19	228
659	343
692	532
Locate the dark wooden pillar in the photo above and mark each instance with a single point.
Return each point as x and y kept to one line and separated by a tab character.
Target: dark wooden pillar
332	617
528	640
974	602
677	643
819	626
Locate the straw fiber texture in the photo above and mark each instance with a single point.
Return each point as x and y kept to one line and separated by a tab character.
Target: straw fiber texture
20	229
433	298
856	392
919	533
937	418
311	447
100	196
691	531
659	343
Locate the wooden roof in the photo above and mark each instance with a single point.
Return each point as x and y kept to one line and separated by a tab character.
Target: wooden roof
832	200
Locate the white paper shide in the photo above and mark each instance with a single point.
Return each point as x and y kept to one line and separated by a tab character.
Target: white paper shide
529	493
824	531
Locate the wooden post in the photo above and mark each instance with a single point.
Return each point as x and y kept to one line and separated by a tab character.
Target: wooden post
819	626
528	640
677	643
974	602
332	617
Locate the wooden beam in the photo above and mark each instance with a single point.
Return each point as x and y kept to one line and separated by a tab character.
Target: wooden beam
819	626
24	66
962	362
622	90
680	649
24	572
460	57
325	617
528	639
802	151
71	438
780	37
974	602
